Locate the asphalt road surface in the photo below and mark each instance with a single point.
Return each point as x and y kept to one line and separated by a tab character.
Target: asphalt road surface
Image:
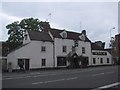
95	78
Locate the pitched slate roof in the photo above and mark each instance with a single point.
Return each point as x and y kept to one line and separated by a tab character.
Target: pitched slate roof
96	47
70	34
18	47
109	50
39	36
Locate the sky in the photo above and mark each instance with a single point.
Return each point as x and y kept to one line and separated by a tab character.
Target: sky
97	18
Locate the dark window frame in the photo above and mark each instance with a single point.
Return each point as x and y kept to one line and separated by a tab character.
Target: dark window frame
94	60
26	36
101	60
43	48
43	62
64	49
83	50
76	44
108	60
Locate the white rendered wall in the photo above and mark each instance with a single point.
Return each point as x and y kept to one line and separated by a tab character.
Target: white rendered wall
33	52
59	43
97	57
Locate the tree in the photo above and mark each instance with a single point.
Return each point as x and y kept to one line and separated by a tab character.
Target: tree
30	24
15	35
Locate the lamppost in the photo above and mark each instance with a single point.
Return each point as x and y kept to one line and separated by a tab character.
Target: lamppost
112	45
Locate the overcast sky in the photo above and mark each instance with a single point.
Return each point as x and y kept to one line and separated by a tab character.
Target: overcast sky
97	18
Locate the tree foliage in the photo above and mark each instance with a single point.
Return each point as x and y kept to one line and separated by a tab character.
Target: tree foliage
30	24
15	35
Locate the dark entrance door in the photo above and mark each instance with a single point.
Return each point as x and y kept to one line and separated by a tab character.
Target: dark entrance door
27	62
61	61
84	61
24	62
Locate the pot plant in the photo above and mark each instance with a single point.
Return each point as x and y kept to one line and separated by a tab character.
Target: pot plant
9	66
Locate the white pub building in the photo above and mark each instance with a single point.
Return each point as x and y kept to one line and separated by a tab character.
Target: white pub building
49	48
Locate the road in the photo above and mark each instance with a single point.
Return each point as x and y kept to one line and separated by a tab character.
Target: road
92	77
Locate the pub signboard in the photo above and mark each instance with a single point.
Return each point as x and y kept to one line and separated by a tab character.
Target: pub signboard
99	53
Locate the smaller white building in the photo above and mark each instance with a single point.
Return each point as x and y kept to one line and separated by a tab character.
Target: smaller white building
36	51
100	56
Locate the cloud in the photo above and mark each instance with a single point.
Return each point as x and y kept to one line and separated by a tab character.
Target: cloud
6	19
96	18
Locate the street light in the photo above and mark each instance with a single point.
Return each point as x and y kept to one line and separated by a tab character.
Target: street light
112	44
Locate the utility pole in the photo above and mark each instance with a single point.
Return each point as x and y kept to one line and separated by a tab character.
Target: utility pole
112	45
49	17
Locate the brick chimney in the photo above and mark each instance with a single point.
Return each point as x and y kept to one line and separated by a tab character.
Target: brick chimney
45	26
84	32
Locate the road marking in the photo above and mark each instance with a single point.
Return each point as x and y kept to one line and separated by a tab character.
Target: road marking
55	80
98	74
102	73
37	74
109	72
107	86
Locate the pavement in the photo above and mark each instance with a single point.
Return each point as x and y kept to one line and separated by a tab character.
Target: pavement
95	78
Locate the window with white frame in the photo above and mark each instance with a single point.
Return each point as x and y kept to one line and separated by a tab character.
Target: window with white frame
43	48
25	36
101	60
43	62
94	61
64	48
83	50
108	60
76	43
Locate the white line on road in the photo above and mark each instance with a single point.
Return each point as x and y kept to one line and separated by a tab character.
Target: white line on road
26	77
107	86
98	74
49	74
55	80
103	73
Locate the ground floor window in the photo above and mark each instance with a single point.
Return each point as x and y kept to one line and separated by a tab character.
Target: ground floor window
94	60
24	62
107	60
101	60
61	61
43	62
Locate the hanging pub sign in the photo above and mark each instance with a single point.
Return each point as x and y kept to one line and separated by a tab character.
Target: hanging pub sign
99	53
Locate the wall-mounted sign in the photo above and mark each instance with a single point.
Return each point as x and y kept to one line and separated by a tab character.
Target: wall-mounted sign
99	53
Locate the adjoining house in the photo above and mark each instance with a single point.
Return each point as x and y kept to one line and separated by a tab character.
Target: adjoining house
116	49
3	55
36	51
100	56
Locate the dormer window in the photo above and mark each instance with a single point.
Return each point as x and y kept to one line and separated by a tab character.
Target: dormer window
25	36
64	34
82	37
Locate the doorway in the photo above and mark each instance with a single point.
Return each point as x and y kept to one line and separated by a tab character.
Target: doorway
25	62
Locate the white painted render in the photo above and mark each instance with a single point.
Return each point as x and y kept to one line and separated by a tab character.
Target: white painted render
97	57
59	43
28	38
33	52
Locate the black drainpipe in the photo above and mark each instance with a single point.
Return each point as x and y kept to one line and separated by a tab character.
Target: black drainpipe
53	52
